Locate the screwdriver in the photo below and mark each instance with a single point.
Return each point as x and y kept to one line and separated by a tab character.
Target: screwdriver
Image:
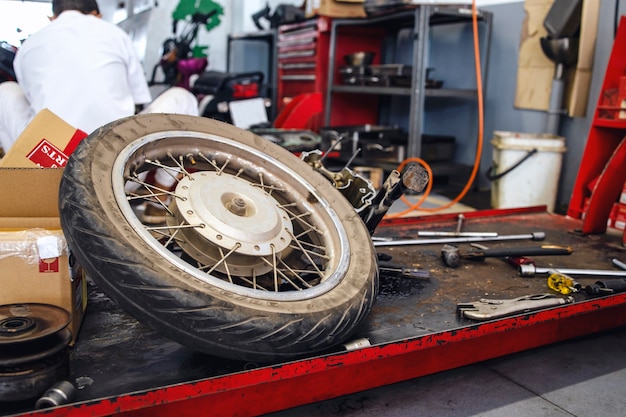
562	283
403	272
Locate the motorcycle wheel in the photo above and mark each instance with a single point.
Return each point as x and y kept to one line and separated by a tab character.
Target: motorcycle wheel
260	257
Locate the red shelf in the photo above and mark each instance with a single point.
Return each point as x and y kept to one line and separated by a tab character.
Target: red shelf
602	175
610	123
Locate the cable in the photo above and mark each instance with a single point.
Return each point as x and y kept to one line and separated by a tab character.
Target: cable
479	145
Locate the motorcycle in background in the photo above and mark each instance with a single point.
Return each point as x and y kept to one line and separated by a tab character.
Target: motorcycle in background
184	65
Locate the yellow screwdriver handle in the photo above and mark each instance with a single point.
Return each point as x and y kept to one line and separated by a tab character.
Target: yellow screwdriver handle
561	283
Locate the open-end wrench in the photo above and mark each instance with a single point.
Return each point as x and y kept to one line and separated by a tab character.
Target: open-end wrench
405	242
530	270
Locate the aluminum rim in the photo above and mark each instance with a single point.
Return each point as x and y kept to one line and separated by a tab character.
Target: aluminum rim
287	244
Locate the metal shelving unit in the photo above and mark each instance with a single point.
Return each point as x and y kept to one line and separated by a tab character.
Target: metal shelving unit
421	19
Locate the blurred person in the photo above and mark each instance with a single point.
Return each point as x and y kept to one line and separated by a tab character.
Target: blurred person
84	70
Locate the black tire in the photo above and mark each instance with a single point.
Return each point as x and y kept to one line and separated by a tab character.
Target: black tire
327	273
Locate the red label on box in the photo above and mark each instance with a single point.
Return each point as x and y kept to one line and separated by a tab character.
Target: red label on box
49	265
46	155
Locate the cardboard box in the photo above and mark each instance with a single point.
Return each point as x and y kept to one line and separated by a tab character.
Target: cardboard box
36	268
536	71
335	8
36	264
47	142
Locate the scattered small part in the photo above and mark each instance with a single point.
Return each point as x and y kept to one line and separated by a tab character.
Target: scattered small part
606	287
357	344
403	272
562	283
459	223
60	393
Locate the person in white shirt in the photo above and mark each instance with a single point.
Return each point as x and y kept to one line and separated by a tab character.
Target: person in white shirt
83	69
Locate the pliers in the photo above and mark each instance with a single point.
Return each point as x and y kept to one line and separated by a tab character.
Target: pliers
485	309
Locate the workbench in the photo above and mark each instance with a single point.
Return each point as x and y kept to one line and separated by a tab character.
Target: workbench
121	367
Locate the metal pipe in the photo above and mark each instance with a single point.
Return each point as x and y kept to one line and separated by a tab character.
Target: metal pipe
406	242
621	265
426	233
459	223
530	270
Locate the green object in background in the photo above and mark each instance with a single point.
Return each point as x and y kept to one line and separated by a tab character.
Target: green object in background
195	8
199	51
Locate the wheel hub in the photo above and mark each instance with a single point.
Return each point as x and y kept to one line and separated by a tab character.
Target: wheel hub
231	214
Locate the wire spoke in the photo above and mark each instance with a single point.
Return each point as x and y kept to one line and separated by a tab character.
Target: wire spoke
223	259
284	276
296	266
306	253
296	274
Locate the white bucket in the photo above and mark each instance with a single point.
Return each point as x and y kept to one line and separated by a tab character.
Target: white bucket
534	182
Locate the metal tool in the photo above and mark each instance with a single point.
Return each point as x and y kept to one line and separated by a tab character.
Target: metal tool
606	287
405	242
413	177
403	272
459	223
562	283
621	265
487	309
62	392
457	232
451	255
426	233
516	261
530	270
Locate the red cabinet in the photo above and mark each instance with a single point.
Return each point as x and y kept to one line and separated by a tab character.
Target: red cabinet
303	62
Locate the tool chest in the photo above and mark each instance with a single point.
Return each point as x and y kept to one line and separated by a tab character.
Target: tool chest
121	367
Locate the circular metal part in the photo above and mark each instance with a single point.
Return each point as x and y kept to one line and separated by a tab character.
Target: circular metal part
15	325
21	323
233	212
30	380
19	354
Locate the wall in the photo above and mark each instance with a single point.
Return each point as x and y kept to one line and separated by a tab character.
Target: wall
499	111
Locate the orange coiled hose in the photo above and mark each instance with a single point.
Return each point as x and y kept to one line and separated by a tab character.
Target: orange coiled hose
479	145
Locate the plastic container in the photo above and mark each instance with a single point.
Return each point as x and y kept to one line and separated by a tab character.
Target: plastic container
526	169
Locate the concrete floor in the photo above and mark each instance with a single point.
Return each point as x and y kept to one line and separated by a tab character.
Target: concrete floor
582	377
